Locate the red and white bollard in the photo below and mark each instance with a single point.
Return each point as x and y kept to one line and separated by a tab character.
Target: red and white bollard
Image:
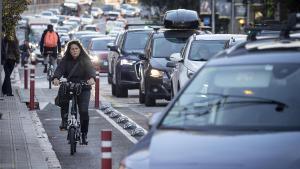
106	150
97	91
26	76
32	87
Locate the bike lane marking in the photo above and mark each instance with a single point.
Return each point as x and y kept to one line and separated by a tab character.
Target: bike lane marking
112	122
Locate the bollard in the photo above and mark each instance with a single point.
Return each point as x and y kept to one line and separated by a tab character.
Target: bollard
31	98
106	161
97	91
26	76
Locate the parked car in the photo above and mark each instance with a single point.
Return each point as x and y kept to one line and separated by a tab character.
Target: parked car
154	75
238	111
125	60
98	52
197	51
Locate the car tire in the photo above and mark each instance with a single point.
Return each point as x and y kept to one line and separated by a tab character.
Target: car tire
121	91
113	89
109	78
149	101
141	96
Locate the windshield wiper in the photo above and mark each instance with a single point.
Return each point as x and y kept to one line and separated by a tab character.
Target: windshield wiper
256	100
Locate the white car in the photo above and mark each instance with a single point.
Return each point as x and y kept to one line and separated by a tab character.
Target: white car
197	51
87	19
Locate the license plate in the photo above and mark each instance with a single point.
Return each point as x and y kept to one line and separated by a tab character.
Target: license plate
105	63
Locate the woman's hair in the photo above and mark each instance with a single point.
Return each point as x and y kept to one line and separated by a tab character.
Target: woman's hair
82	55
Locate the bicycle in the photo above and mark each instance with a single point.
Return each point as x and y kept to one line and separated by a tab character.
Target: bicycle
50	67
73	127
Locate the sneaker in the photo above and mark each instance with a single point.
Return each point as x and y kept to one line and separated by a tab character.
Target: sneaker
84	140
63	125
45	69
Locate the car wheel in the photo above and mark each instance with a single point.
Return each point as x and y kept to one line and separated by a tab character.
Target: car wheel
149	101
141	96
120	90
113	89
109	78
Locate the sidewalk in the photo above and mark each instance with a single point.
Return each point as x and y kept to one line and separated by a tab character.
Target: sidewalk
23	142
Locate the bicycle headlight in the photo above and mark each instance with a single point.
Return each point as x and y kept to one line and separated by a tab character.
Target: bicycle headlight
156	73
127	62
190	73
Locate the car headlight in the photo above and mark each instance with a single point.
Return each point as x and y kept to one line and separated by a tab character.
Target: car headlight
127	62
190	73
156	73
94	59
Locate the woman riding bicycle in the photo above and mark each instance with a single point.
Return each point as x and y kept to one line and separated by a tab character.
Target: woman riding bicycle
83	72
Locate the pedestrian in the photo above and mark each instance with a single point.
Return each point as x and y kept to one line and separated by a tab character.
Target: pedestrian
11	59
83	72
50	44
25	52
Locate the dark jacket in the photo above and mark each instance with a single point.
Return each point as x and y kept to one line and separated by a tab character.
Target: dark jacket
11	49
83	72
45	49
3	54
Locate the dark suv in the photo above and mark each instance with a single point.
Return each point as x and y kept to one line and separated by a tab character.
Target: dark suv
155	76
123	61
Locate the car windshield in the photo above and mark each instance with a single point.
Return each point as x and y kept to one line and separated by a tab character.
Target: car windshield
101	44
250	97
202	50
135	41
164	47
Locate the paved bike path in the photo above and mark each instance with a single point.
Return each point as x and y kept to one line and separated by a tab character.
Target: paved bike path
86	156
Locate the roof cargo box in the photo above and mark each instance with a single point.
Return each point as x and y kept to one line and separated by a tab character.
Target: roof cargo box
181	19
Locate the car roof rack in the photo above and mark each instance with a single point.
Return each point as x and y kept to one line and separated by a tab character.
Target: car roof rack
141	24
293	24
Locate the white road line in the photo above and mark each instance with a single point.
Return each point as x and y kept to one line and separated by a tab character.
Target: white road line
125	133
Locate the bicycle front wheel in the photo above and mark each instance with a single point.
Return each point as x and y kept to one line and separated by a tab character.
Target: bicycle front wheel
72	139
49	77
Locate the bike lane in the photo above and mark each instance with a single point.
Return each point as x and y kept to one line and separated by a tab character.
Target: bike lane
86	156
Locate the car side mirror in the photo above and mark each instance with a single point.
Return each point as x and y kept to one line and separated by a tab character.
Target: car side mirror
171	64
141	55
112	47
176	57
154	119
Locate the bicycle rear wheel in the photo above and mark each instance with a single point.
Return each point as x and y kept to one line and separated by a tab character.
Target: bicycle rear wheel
72	139
49	77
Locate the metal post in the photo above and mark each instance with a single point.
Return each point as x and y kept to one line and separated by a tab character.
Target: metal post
97	91
213	16
232	16
32	86
1	67
106	149
248	11
26	76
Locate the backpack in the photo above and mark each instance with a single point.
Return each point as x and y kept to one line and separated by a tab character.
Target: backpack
50	39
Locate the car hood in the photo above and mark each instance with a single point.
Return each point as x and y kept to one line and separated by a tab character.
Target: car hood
160	63
193	150
194	65
99	52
